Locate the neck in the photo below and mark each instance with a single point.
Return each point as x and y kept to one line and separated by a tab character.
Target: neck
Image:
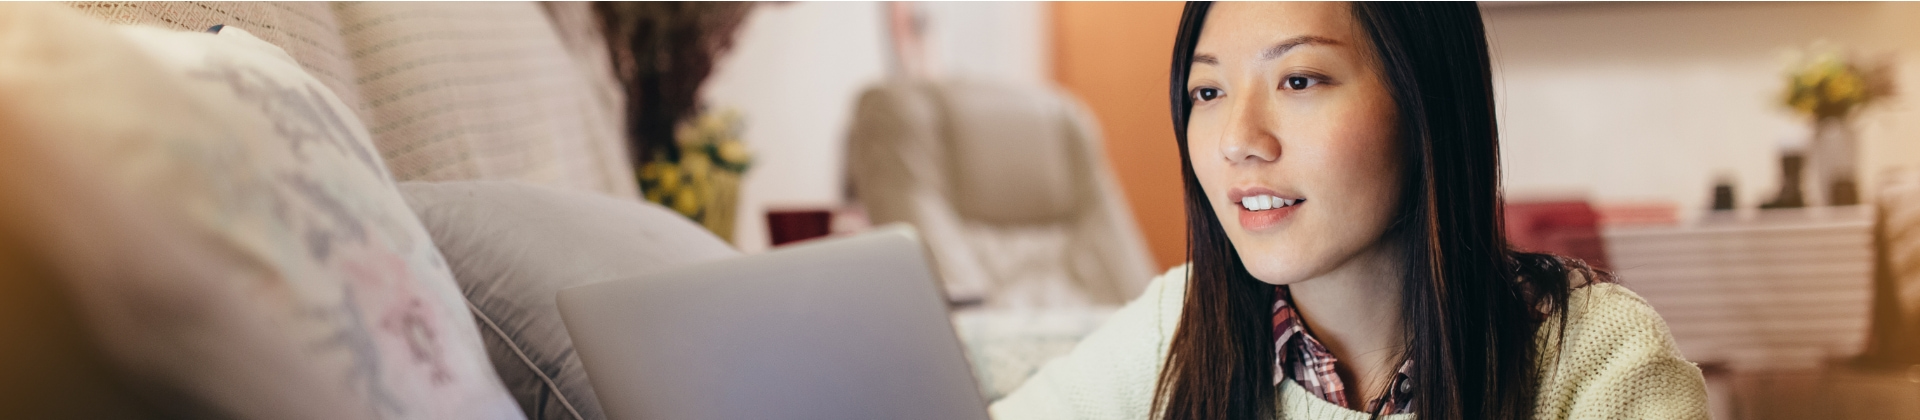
1355	311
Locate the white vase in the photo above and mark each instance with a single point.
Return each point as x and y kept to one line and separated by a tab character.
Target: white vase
1832	163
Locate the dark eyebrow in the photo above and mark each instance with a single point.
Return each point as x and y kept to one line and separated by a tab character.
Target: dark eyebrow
1286	46
1274	51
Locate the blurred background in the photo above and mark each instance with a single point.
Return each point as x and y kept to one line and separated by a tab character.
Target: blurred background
1744	166
1751	169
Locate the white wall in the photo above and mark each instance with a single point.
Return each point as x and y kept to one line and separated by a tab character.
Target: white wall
1005	41
1630	102
796	69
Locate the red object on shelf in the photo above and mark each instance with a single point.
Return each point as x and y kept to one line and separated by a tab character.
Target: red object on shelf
789	226
1638	214
1565	228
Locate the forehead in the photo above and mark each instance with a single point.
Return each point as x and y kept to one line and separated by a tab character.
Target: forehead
1236	28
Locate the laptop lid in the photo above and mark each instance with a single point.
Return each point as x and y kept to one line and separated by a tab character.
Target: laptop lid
853	328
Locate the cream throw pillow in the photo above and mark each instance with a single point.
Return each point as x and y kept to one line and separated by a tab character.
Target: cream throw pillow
344	307
513	246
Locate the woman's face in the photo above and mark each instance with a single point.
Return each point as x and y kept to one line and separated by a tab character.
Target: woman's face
1292	136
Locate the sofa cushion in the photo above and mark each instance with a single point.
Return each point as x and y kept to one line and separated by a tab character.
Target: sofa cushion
320	296
488	90
306	30
513	246
451	91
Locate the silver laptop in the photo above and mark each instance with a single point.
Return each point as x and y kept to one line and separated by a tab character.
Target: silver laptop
842	329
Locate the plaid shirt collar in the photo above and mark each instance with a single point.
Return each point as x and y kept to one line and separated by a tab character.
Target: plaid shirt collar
1299	356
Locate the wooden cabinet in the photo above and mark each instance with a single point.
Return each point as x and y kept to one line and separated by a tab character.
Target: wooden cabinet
1756	290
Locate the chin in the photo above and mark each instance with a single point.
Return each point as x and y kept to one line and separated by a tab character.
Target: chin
1276	267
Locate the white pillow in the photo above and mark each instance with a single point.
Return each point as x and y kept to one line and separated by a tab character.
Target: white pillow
513	246
332	302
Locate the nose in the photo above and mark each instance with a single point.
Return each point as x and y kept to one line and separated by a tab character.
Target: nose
1250	134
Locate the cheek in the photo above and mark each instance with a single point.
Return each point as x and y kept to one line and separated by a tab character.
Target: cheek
1368	159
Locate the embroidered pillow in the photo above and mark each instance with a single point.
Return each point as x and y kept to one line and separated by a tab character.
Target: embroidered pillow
226	134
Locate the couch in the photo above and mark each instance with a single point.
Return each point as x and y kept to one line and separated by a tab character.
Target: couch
333	211
201	213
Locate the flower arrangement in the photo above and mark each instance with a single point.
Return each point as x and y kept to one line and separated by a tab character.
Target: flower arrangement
1828	84
1828	88
700	176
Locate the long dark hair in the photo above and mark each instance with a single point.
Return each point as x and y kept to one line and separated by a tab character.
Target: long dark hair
1471	305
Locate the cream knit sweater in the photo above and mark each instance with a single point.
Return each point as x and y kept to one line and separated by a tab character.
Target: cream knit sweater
1619	363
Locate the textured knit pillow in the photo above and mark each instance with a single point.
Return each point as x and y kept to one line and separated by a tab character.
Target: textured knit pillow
488	90
228	136
513	246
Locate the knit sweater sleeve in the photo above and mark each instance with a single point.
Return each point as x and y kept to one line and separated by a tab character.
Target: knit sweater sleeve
1616	361
1111	373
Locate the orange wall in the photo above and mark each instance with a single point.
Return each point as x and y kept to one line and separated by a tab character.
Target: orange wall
1114	56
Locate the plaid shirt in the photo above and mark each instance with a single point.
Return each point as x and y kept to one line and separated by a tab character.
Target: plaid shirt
1299	356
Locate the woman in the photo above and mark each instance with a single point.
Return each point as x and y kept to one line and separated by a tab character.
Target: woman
1347	258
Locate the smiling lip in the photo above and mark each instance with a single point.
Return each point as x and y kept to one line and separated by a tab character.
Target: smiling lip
1256	221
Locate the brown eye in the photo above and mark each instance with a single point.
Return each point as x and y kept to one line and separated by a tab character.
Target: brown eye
1300	82
1205	94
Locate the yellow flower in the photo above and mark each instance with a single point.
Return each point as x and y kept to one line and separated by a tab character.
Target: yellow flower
1826	85
1805	104
669	179
1844	88
733	152
687	202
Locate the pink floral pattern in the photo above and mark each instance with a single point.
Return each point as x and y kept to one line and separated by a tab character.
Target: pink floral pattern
353	275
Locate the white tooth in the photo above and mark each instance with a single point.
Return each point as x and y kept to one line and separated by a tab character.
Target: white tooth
1286	202
1266	202
1249	203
